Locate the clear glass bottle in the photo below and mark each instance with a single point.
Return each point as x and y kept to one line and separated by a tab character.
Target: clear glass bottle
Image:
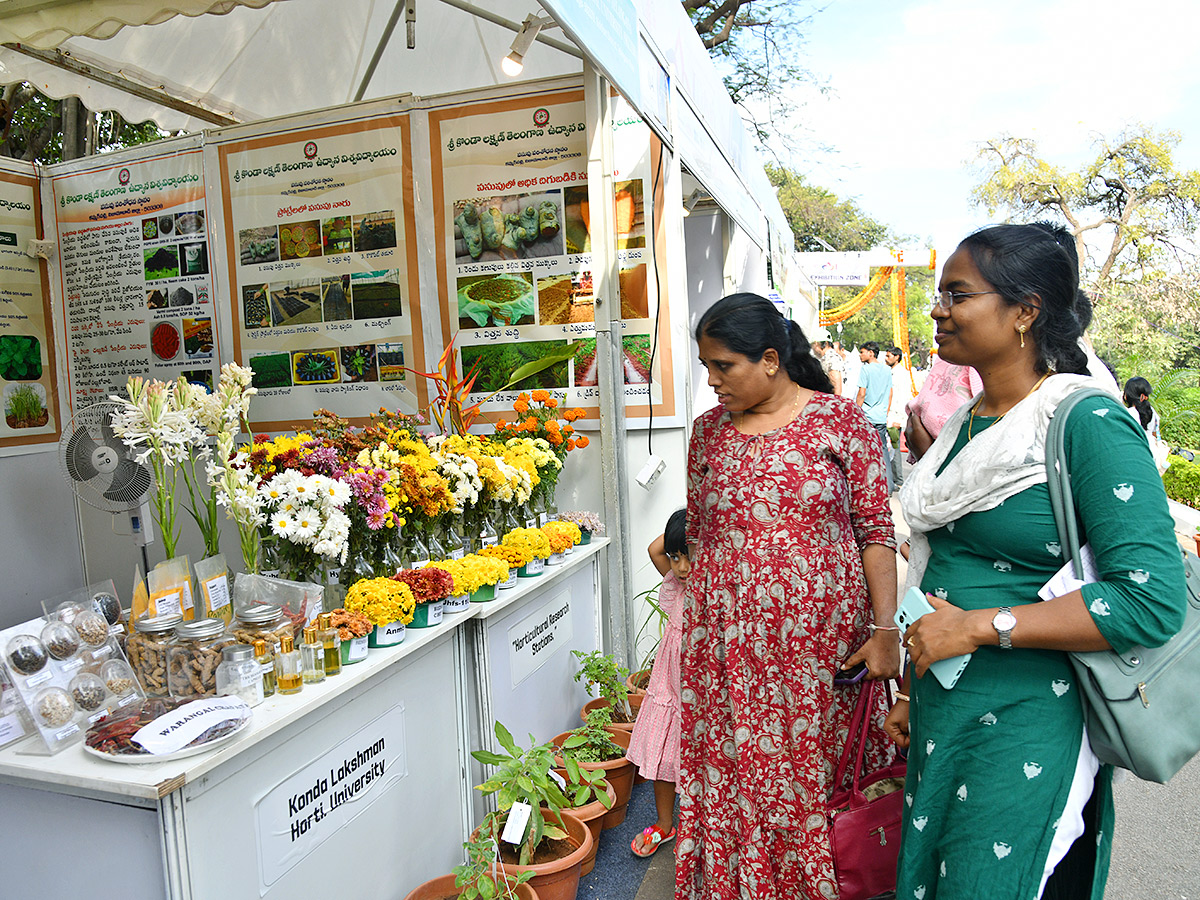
331	640
360	567
312	657
418	549
437	548
268	559
264	655
393	559
537	509
509	518
287	667
456	547
238	674
489	533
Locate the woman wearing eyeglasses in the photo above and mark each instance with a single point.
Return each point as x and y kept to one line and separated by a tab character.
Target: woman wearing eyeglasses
1004	798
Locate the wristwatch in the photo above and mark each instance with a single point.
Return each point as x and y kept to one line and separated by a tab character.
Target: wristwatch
1004	622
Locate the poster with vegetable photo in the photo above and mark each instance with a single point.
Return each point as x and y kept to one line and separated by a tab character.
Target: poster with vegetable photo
322	231
497	164
518	226
134	260
499	361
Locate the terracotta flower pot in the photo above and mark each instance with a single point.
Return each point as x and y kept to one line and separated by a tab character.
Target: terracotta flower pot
558	879
442	888
592	815
619	773
635	703
636	679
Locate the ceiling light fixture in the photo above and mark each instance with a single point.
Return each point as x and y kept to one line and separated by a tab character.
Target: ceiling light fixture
690	203
514	62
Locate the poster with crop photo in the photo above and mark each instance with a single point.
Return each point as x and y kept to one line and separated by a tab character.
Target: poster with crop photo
511	212
134	269
321	267
28	383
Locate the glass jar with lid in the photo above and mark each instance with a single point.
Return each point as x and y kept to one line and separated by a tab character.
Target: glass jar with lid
146	649
260	622
239	674
193	657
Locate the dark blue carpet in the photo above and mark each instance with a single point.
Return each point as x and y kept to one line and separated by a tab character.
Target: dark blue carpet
618	873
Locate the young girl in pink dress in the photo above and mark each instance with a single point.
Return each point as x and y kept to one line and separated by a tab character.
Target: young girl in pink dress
654	747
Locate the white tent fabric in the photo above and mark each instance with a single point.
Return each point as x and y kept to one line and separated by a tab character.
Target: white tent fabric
285	57
47	24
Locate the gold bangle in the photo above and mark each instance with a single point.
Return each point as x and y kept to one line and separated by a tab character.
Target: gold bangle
900	696
874	628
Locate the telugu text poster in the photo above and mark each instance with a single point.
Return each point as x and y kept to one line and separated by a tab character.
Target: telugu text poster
28	384
135	269
321	266
514	258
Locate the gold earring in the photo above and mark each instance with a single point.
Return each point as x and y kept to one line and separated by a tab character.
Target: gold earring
1022	331
771	371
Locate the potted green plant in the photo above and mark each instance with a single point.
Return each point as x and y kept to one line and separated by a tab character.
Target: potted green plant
598	746
591	797
605	680
523	776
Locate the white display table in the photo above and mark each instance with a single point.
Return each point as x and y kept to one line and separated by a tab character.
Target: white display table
357	781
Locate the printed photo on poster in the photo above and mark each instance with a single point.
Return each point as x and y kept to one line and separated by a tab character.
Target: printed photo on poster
520	226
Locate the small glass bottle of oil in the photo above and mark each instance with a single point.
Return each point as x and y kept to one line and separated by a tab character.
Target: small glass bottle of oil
312	657
332	642
287	667
266	663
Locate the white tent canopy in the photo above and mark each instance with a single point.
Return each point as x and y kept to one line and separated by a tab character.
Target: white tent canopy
258	58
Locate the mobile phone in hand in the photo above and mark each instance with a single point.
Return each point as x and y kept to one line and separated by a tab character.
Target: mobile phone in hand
853	675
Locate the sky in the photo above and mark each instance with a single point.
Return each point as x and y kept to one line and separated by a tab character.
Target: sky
918	85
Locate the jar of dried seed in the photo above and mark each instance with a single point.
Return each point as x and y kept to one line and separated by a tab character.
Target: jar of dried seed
260	622
146	649
193	657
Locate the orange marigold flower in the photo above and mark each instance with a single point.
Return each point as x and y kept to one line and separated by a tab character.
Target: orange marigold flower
572	414
552	403
501	425
523	396
571	444
581	441
531	423
521	406
567	429
540	396
554	438
552	425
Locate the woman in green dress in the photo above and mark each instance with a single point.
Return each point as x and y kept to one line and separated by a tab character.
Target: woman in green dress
1004	799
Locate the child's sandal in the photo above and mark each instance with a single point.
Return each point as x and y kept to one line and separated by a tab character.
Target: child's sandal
650	839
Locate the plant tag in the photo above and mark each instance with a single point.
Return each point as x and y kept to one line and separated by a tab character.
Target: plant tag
518	820
217	591
562	782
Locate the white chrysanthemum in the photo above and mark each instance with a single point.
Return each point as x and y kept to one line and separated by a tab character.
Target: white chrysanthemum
307	523
283	525
336	492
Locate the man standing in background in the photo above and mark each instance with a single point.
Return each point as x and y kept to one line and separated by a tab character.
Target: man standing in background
831	363
875	397
850	367
902	392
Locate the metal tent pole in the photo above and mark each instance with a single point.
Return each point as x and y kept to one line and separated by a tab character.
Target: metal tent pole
598	105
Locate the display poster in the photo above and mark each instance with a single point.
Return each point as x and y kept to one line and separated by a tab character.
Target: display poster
135	268
514	255
312	804
536	637
319	224
28	383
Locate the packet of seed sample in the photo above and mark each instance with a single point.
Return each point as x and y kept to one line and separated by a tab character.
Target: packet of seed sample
140	604
170	585
212	575
299	600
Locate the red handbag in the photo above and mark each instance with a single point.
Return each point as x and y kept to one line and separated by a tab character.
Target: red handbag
864	820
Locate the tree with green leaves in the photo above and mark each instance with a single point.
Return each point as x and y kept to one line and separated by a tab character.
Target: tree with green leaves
820	219
757	46
1130	202
37	128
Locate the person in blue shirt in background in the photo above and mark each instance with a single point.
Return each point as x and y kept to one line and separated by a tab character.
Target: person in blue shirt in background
875	397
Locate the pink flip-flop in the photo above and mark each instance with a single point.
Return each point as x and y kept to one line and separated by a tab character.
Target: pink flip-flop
651	838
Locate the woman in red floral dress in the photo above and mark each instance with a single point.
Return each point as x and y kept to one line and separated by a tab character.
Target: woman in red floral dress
794	562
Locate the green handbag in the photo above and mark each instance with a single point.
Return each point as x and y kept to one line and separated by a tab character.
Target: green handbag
1140	706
